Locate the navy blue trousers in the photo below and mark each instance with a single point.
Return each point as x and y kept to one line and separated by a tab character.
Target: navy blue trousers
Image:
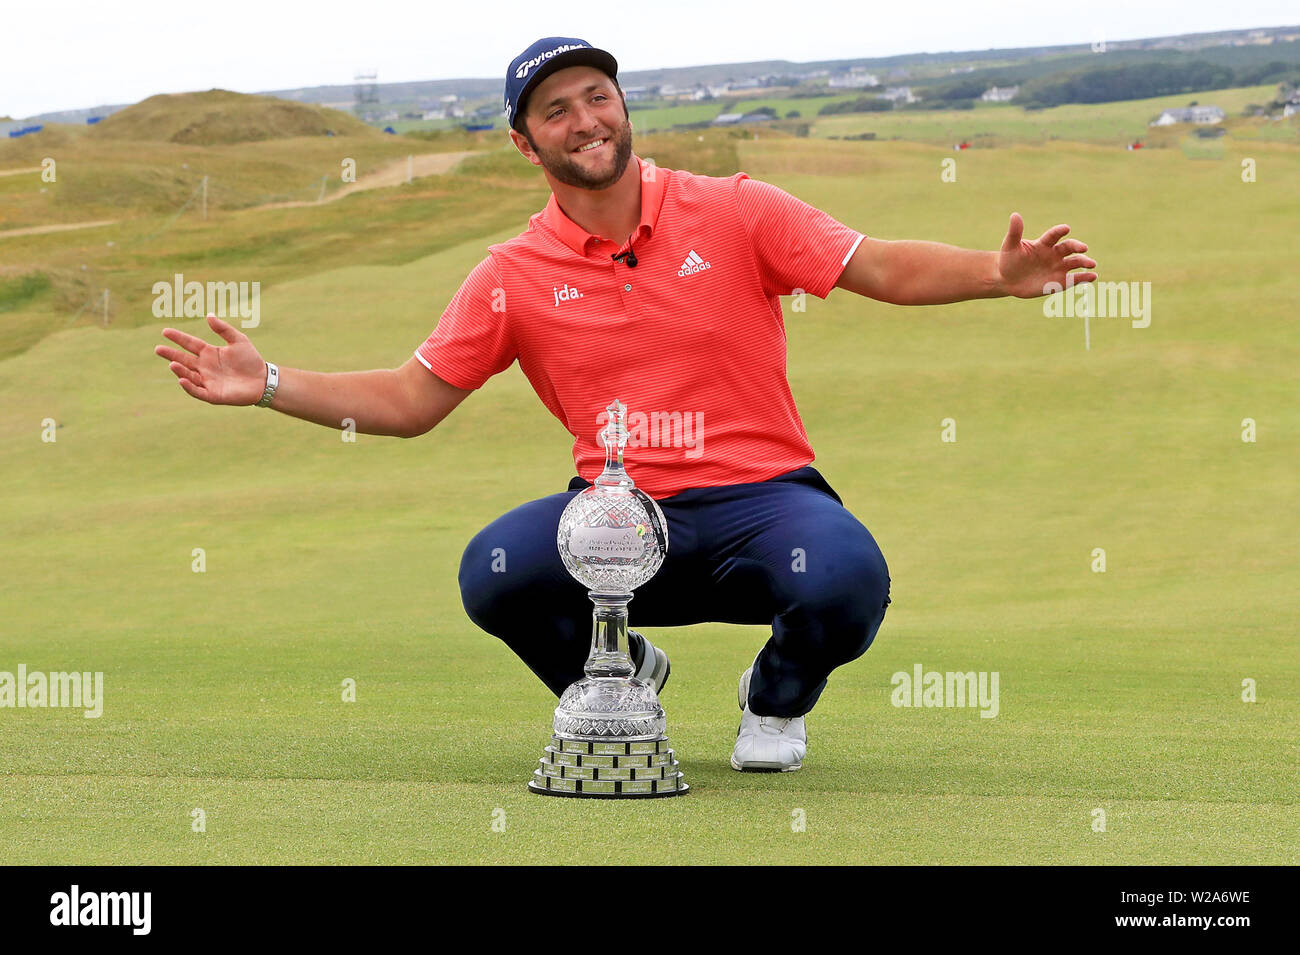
784	552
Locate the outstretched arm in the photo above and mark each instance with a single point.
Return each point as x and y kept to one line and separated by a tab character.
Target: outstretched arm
403	402
913	272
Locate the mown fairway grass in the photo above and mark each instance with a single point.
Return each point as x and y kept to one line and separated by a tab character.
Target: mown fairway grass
326	560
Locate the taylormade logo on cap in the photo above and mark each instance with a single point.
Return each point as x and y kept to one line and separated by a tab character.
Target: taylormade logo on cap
541	58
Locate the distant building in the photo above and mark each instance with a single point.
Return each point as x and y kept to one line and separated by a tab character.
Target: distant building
1200	115
734	119
634	93
451	111
1000	94
899	94
854	79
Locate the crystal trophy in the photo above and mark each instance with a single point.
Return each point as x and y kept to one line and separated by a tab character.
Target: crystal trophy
609	738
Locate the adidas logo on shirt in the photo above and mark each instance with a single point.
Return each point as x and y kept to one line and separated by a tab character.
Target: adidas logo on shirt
693	264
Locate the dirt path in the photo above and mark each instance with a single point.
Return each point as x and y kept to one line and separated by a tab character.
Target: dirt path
386	176
62	227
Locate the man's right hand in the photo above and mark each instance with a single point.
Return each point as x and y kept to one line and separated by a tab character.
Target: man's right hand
230	374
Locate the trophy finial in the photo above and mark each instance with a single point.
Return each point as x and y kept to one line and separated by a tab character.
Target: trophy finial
615	438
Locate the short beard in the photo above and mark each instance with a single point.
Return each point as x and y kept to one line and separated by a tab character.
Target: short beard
564	168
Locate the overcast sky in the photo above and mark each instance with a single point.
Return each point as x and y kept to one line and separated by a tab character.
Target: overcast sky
75	53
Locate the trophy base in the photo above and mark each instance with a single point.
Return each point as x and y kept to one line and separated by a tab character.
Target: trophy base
639	769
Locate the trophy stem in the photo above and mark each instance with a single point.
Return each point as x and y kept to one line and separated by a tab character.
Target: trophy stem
609	655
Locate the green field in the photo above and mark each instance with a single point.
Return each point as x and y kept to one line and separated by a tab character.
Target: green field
1003	123
326	561
990	123
664	117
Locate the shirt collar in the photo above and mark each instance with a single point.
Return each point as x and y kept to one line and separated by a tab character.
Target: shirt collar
578	239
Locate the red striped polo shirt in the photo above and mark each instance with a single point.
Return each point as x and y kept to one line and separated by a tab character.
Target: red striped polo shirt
691	339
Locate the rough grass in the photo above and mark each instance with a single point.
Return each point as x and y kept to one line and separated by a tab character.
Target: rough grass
22	291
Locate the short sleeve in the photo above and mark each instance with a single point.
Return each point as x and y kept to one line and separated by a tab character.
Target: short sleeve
471	342
796	246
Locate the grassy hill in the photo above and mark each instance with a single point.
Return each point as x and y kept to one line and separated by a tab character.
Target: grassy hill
143	169
220	117
149	159
327	560
152	191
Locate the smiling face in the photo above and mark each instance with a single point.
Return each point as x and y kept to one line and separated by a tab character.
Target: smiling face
578	128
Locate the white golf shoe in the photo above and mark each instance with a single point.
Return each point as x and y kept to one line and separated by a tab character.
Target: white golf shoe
767	744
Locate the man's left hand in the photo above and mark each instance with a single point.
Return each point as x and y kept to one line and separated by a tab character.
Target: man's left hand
1026	268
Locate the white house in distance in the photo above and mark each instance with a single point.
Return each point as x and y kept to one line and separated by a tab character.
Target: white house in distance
899	94
1291	105
731	119
450	111
999	94
855	78
1200	115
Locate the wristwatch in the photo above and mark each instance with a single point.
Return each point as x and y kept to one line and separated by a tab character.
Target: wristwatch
272	382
